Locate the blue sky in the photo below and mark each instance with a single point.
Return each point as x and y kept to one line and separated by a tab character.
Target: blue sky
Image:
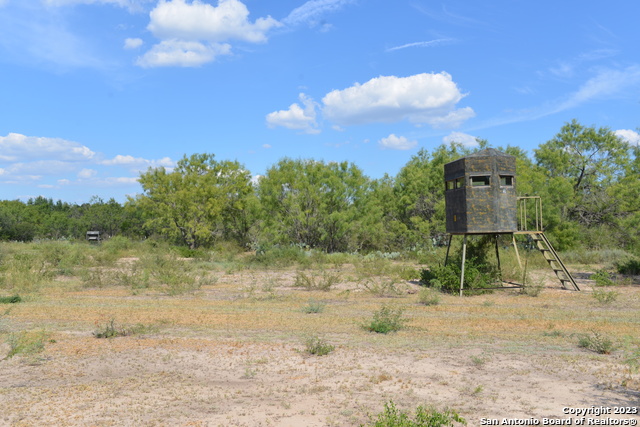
95	91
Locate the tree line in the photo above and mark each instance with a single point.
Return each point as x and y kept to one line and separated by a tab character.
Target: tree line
588	179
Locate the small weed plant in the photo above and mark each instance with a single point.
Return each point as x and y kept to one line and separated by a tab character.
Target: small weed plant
313	307
423	417
386	319
110	329
428	296
381	287
318	346
324	282
596	342
604	297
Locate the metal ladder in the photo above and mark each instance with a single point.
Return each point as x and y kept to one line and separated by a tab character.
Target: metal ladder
550	254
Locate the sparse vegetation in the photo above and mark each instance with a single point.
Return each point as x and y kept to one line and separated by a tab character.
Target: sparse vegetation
603	296
27	343
314	307
423	417
318	346
428	296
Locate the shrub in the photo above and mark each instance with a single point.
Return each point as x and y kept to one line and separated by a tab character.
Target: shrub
385	320
381	287
604	297
428	296
318	346
314	283
479	274
602	278
424	417
630	266
10	300
596	342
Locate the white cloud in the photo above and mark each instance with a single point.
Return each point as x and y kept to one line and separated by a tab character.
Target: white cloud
461	138
87	173
421	98
267	146
397	143
177	19
132	43
182	54
193	33
311	12
629	136
16	147
137	164
296	117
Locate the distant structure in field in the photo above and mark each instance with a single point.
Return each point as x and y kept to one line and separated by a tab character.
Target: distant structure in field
481	199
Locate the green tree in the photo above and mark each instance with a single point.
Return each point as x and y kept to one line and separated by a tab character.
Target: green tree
589	160
197	201
419	193
320	205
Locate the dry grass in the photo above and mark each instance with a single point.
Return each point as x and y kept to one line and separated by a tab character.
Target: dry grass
228	352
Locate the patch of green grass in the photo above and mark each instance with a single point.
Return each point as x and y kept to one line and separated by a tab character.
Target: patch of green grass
26	343
386	319
318	346
423	417
14	299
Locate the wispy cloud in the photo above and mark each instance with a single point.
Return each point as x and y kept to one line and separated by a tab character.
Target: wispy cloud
312	11
429	43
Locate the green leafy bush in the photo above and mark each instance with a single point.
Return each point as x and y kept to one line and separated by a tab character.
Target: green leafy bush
603	278
385	320
424	417
630	266
479	274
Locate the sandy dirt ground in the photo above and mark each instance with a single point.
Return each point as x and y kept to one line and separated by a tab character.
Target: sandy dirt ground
194	377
